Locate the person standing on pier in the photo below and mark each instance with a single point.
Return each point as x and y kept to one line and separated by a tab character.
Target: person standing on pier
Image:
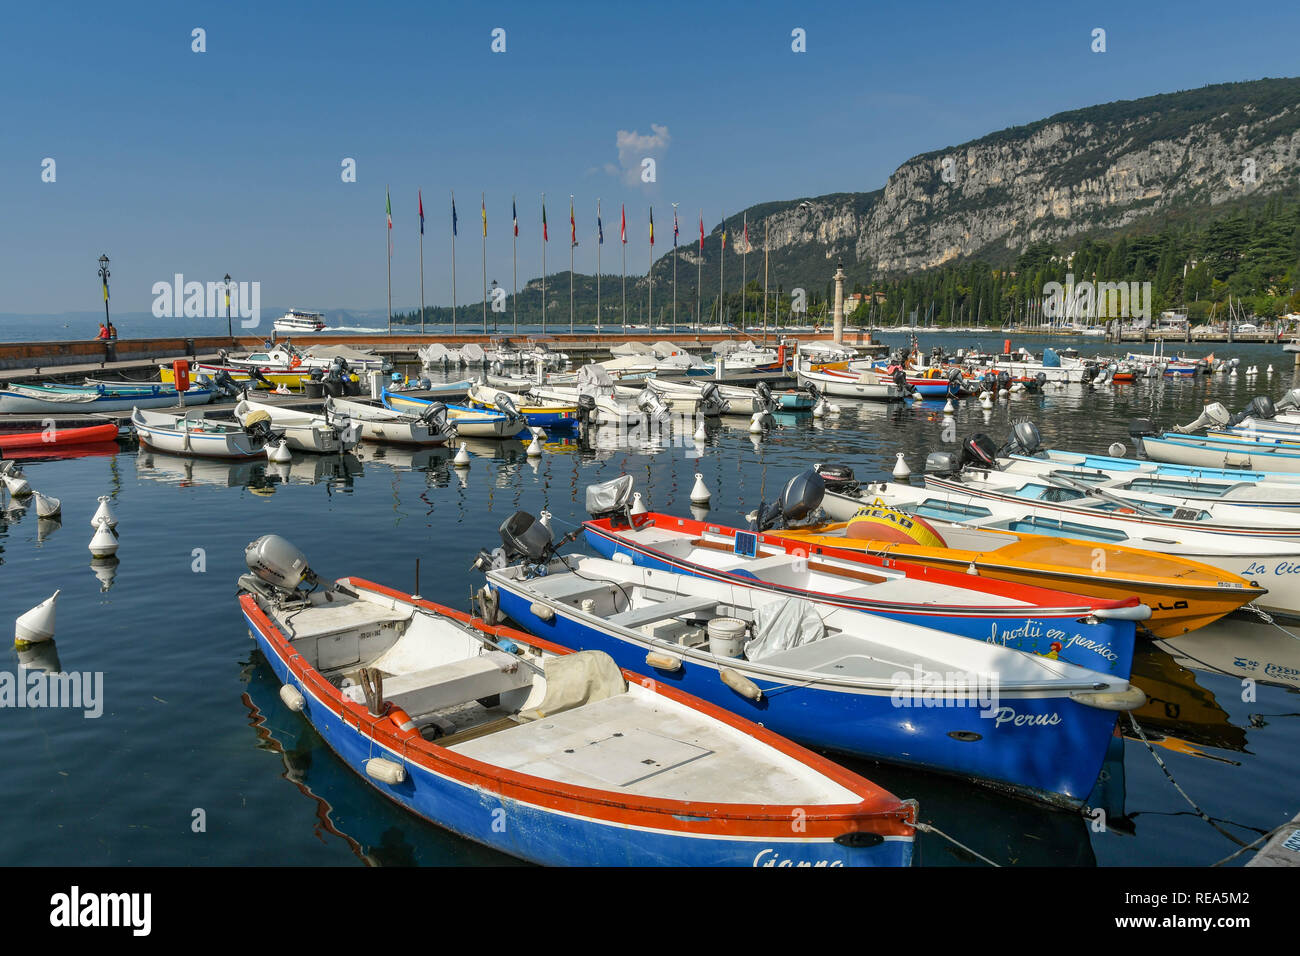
112	331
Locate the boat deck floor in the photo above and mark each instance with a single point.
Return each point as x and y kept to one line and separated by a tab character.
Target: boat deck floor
606	745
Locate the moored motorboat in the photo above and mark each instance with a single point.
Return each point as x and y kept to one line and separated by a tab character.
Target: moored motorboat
307	432
547	755
825	676
385	426
73	399
468	422
183	435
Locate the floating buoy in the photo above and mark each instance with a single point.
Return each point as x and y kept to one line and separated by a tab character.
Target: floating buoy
103	544
756	423
104	514
833	409
986	400
1232	374
700	433
17	485
948	407
534	449
544	519
638	506
901	471
462	457
279	452
1117	449
46	507
1270	370
819	410
37	624
700	493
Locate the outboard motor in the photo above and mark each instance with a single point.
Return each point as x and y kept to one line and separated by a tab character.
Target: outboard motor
765	396
255	374
837	477
709	395
586	406
610	498
816	393
506	406
523	536
1290	400
1090	371
900	379
278	570
257	426
979	450
1004	380
942	463
801	496
435	416
1140	428
1261	406
1212	414
652	403
1040	380
226	385
1025	439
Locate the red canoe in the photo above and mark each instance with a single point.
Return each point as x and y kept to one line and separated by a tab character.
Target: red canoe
55	436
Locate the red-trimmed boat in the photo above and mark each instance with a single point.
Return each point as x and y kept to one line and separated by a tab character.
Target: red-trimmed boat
54	433
549	755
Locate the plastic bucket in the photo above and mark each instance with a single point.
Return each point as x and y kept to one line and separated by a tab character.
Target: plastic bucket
726	637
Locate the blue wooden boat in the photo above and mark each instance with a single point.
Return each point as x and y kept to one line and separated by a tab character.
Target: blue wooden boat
468	422
831	677
547	755
1095	633
92	399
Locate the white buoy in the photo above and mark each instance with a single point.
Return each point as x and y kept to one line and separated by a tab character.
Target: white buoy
756	423
948	408
17	485
1270	370
819	410
1117	449
700	433
700	493
46	507
638	505
833	409
901	471
1232	374
986	400
37	624
104	514
462	457
544	519
103	544
534	449
279	452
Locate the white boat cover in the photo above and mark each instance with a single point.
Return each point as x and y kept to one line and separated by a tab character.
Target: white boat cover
573	680
346	352
631	348
781	625
472	354
594	376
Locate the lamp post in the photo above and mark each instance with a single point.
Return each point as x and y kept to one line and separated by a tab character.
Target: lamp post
230	333
103	278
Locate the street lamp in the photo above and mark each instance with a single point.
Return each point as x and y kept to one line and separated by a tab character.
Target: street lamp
229	328
493	297
103	278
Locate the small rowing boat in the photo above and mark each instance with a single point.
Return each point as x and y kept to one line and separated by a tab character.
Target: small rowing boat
554	757
468	422
54	433
90	399
182	435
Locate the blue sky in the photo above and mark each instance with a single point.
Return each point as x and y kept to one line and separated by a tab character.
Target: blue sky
229	160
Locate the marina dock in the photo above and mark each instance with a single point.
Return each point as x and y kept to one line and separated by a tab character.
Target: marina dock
1282	849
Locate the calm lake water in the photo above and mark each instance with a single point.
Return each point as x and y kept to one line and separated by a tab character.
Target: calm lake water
193	729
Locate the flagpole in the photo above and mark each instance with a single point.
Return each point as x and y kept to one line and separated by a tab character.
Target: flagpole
389	242
514	265
674	268
573	241
543	263
722	268
650	274
699	276
483	207
453	262
421	265
623	239
765	251
600	241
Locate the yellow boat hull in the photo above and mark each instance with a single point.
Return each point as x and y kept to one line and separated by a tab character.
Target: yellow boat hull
1183	595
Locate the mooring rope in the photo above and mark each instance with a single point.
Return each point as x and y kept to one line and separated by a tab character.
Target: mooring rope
1236	853
1190	802
929	828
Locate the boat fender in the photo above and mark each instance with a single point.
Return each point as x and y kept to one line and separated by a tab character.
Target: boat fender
1131	698
385	771
664	662
741	684
292	698
541	611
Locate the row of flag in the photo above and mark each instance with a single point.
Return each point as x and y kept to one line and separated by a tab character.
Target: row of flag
573	223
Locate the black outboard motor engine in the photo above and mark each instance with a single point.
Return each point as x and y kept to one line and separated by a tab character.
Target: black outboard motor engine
1004	380
1039	381
523	536
900	379
837	477
1261	406
586	406
435	416
1025	439
1090	371
506	406
801	496
1140	428
765	396
226	385
813	391
709	395
255	374
981	451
